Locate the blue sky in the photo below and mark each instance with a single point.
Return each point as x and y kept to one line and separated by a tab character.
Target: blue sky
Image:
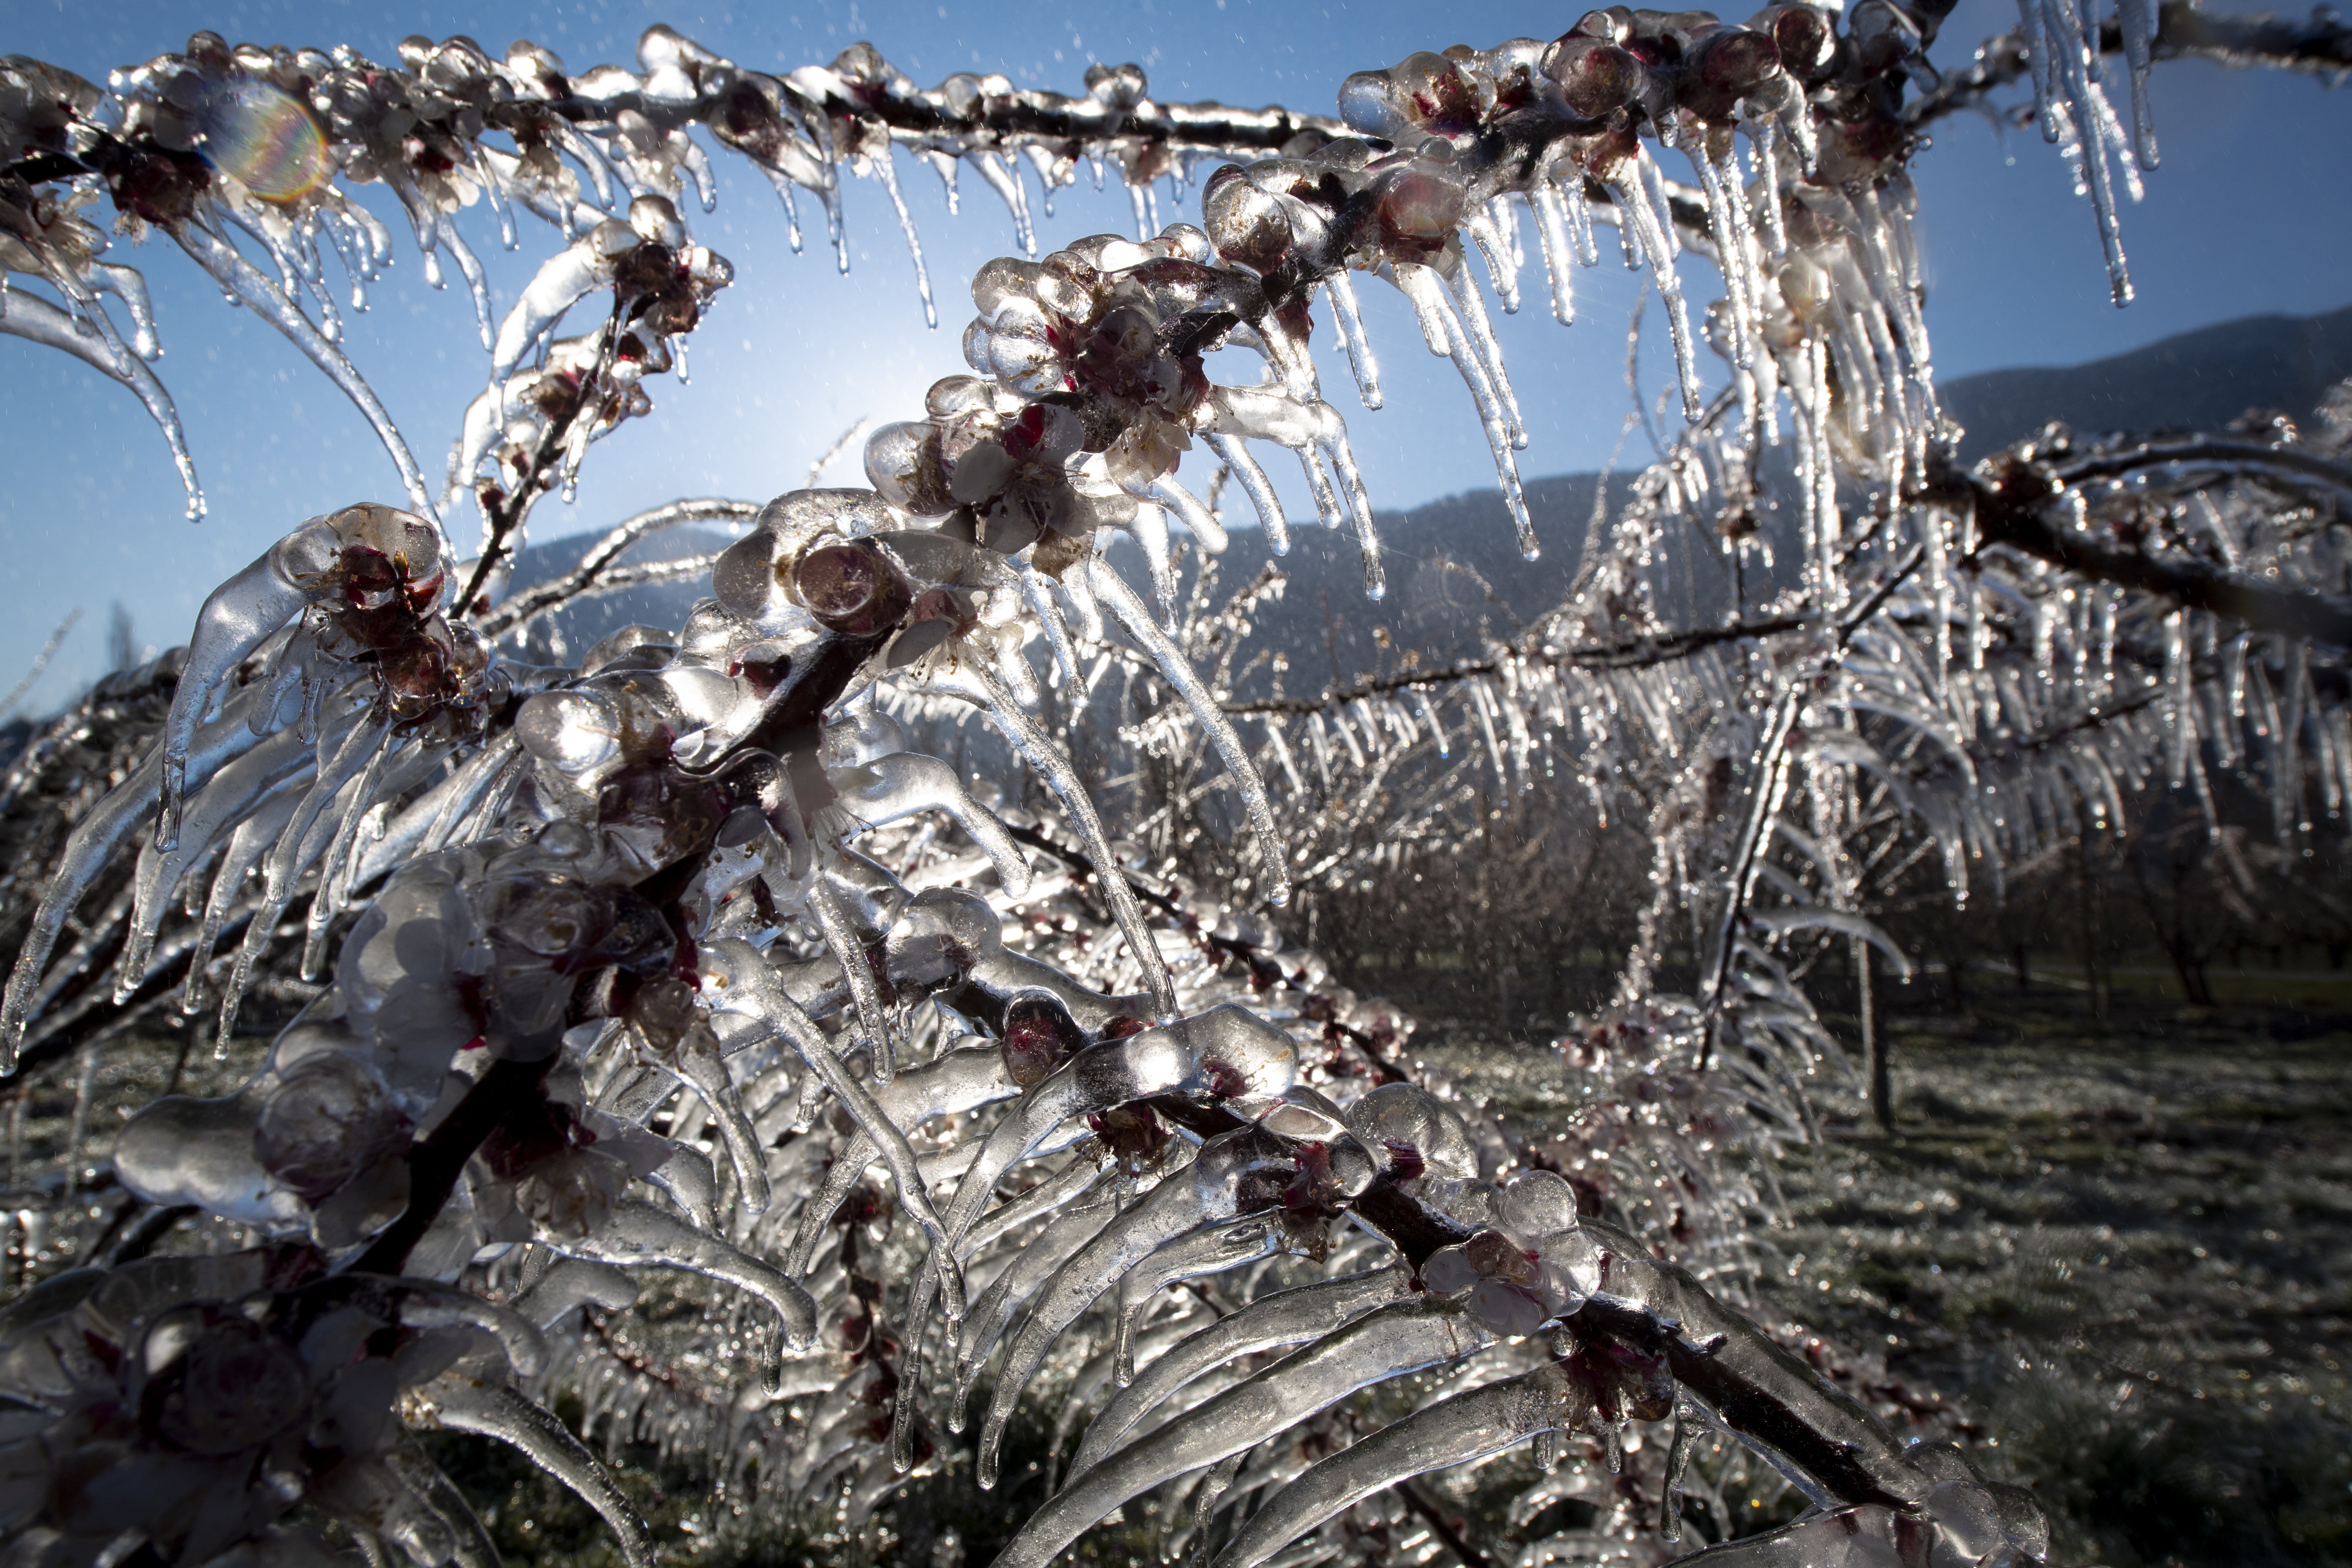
2251	211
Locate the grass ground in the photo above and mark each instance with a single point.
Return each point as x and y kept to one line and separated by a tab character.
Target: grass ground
2127	1250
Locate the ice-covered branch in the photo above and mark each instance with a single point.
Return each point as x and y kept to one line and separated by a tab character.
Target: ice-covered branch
2320	45
2025	508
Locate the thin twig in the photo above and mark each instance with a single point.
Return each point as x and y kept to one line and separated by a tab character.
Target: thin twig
40	661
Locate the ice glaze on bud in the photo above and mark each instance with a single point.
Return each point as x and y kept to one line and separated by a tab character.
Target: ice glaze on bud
1596	78
1725	67
1038	1033
1245	223
1804	35
902	461
852	588
1418	213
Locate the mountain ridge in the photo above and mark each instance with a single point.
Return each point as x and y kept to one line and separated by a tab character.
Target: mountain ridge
1455	578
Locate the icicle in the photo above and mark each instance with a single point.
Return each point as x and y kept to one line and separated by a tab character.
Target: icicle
1455	1431
2138	21
1678	1458
1481	704
30	316
1551	237
784	187
1764	143
638	1233
2078	120
1640	225
1346	311
126	284
1490	353
460	1405
472	269
754	989
286	861
1403	1337
885	171
1580	217
1038	590
1204	528
246	846
1039	751
1501	268
1235	454
1444	330
1208	1189
849	952
2179	720
1149	528
1109	584
1004	179
236	275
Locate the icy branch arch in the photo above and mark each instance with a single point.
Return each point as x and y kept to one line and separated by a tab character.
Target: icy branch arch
662	962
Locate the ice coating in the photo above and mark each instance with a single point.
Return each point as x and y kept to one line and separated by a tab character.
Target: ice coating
1455	1431
1227	1052
1224	1182
462	1405
1113	588
1290	1317
1408	1336
962	1080
1212	1250
639	1233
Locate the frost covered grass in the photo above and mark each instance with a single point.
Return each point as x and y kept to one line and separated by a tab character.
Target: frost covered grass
2126	1252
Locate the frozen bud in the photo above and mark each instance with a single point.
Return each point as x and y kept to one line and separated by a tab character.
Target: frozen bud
852	588
385	545
327	1122
1612	24
1803	33
1726	66
1412	1133
1002	279
1883	34
664	1009
862	62
1538	1204
220	1383
902	461
1418	212
1246	225
1133	1134
1117	86
959	397
655	221
572	731
1496	1256
1425	92
1069	284
1595	78
1804	285
938	939
611	239
1038	1035
1448	1271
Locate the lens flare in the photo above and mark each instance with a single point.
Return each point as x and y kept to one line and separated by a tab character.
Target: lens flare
267	141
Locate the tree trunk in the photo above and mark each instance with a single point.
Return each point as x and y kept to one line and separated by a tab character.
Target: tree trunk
2093	982
1873	1041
